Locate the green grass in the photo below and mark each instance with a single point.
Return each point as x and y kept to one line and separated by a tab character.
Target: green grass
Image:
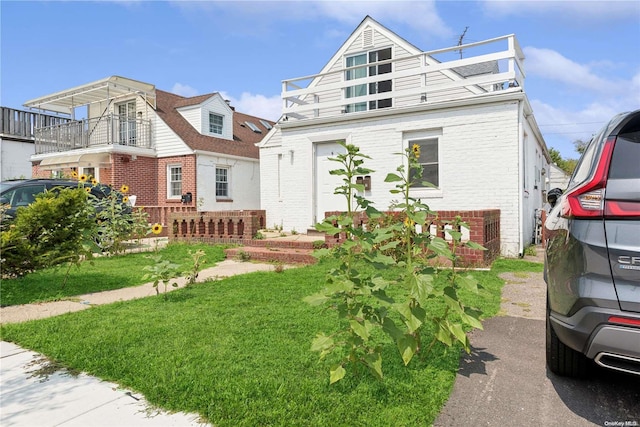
101	274
236	351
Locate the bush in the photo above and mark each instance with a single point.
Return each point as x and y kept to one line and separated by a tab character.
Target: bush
50	231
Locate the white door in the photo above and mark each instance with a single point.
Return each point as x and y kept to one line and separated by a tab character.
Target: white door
325	183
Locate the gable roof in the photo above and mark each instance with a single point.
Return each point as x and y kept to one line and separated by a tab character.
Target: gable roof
244	139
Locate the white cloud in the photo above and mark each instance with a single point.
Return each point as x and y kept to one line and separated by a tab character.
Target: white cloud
552	65
257	105
184	90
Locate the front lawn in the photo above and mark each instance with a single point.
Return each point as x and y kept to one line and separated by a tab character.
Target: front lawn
237	351
101	274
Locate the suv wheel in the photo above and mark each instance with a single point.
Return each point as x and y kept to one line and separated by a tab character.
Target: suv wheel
562	359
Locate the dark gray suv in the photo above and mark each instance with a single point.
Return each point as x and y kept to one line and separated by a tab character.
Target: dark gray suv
592	258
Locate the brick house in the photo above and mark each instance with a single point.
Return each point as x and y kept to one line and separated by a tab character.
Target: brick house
465	106
174	153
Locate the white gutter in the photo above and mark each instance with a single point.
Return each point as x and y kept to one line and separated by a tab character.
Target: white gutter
521	177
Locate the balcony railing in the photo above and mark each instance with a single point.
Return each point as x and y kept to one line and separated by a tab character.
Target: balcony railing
22	124
428	77
105	130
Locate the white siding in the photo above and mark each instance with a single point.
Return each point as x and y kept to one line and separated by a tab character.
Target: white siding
167	142
244	183
478	153
14	159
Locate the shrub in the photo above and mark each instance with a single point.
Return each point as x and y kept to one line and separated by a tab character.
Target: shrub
52	230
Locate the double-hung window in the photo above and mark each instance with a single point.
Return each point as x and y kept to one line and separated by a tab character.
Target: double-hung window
366	65
174	181
222	182
428	159
215	123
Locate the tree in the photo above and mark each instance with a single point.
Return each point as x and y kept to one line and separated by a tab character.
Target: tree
580	145
567	165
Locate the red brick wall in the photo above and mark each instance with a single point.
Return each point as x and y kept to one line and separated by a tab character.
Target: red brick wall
188	164
484	229
140	175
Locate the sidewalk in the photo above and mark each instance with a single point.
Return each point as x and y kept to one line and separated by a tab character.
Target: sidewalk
34	392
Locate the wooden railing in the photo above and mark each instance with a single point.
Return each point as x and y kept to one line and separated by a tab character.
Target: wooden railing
429	77
22	124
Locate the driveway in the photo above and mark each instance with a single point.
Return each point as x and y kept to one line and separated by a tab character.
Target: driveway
504	381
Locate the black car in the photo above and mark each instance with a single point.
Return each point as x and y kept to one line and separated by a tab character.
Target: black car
23	192
592	257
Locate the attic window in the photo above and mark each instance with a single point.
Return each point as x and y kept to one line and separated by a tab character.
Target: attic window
266	124
253	127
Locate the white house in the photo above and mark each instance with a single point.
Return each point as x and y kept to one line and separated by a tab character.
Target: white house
464	105
173	152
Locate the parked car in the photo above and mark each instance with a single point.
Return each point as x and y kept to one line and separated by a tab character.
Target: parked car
592	257
22	192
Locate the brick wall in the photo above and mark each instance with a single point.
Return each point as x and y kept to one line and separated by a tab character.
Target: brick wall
484	229
216	227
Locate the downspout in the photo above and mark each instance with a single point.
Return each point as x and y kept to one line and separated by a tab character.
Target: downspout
521	167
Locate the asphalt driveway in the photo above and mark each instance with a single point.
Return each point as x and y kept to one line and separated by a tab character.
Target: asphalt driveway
504	381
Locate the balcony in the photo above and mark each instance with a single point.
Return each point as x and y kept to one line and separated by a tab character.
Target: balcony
101	131
429	78
20	125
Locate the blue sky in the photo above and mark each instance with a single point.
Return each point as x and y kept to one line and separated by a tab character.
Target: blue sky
582	57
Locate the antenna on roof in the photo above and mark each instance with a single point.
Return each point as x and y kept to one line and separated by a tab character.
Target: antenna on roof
460	40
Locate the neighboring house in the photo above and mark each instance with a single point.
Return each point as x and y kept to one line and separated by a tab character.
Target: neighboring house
195	153
480	144
558	178
17	140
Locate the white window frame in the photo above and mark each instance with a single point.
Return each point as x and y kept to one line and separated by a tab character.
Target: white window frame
213	127
408	140
83	171
170	181
227	170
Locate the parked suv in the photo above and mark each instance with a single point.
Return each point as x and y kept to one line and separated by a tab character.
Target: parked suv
23	192
592	257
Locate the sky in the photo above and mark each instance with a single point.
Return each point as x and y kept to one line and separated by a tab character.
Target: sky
582	58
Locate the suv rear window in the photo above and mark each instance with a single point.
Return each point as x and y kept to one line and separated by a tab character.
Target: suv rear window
626	153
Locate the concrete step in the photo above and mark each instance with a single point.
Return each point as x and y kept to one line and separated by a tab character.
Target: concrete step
273	254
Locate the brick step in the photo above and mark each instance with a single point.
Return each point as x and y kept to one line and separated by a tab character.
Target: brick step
274	254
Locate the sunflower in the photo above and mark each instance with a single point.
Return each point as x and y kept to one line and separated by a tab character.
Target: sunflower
416	150
74	174
87	189
83	178
94	181
124	188
408	222
156	229
125	199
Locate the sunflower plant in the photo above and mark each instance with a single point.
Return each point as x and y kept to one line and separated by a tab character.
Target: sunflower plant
376	308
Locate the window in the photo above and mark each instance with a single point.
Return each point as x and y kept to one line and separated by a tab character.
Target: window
266	124
127	123
253	127
222	182
90	173
366	66
429	161
174	181
215	123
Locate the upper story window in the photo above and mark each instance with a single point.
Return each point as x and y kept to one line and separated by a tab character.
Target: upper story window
366	65
215	123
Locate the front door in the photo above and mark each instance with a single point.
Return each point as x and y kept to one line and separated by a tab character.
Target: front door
324	183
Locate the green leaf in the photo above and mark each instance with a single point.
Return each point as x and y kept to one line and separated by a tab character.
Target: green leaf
474	245
316	299
440	247
392	177
374	362
458	332
456	235
337	372
407	345
471	320
412	322
321	342
362	330
389	326
467	282
327	228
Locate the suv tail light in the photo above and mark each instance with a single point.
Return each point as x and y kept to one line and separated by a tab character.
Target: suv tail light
587	200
